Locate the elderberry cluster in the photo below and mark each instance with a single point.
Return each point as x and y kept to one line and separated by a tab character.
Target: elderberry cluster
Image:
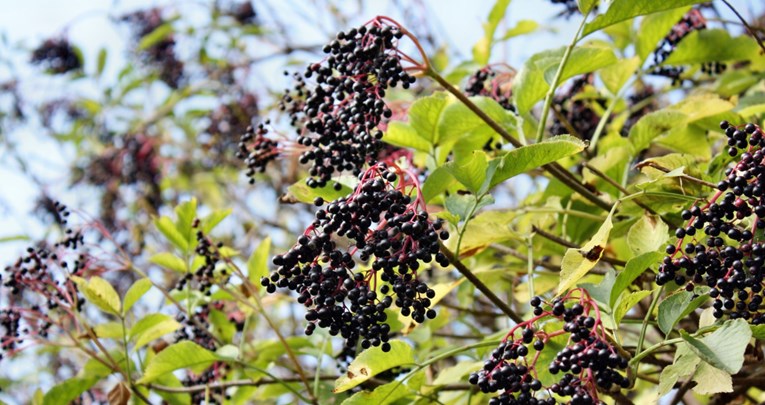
719	247
207	274
38	291
227	124
580	118
57	55
494	84
571	7
337	116
692	21
588	362
161	54
384	225
257	150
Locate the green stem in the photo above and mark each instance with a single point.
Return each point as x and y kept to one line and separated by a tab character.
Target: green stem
465	224
644	328
604	120
530	264
127	352
556	80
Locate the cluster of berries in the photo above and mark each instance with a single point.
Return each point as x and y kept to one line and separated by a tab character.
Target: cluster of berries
381	223
494	83
571	7
160	54
578	114
692	21
587	363
227	123
719	246
38	291
337	115
57	55
256	149
207	274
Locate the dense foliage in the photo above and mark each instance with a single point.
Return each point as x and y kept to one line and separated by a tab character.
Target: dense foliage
400	224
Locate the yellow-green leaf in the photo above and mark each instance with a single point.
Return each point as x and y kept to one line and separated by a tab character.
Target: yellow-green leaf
374	361
257	264
99	292
150	327
184	354
578	262
135	292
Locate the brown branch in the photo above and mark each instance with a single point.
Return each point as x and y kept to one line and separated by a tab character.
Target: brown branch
502	305
748	28
682	176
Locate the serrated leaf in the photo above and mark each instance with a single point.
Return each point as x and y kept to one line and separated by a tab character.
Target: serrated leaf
169	261
711	380
460	128
648	234
257	264
135	292
168	228
627	302
186	212
471	171
404	135
374	361
482	49
184	354
301	192
151	327
684	366
577	262
522	27
622	10
108	330
68	391
426	112
100	293
525	158
676	307
530	84
723	348
632	270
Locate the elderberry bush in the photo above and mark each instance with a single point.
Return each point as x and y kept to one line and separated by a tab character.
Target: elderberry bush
337	104
721	244
587	363
692	21
387	230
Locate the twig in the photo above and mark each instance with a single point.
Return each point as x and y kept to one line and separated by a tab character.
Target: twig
748	28
502	305
567	244
682	176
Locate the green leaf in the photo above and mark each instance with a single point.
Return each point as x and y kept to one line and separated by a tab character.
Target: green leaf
151	327
684	366
676	307
169	261
257	264
184	354
531	83
654	27
462	205
577	262
713	45
168	228
522	27
711	380
621	10
723	348
374	361
153	38
99	292
471	171
758	332
627	302
101	61
461	127
529	157
482	49
634	268
109	330
68	391
426	112
404	135
186	212
615	76
382	395
135	292
439	181
301	192
209	222
648	234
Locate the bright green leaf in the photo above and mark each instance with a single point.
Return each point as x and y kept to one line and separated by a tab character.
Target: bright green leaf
168	228
648	234
301	192
153	38
621	10
68	391
404	135
713	45
100	293
257	264
676	307
634	268
184	354
169	261
627	302
151	327
471	171
213	219
438	182
482	49
109	330
529	157
522	27
426	112
101	61
654	27
577	262
135	292
615	76
374	361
